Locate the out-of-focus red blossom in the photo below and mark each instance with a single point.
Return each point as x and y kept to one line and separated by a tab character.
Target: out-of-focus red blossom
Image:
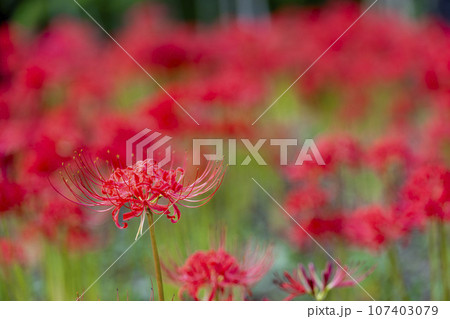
436	144
4	110
10	252
169	55
217	273
13	137
229	87
11	195
372	227
43	157
307	201
140	187
383	58
340	150
390	151
319	227
426	194
156	42
59	221
34	77
73	51
111	132
308	281
317	208
51	142
58	214
435	63
79	238
164	110
336	150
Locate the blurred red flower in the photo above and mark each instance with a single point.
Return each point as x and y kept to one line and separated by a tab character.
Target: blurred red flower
372	227
303	281
390	151
11	195
426	194
219	272
336	150
10	252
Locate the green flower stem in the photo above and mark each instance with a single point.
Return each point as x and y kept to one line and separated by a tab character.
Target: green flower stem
431	256
443	258
396	272
216	297
159	280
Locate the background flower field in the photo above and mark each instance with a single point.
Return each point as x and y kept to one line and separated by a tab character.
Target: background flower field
377	105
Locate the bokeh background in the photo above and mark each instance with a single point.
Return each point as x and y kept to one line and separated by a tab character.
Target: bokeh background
377	105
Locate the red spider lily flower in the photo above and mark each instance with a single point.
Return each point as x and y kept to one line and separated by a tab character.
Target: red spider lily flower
388	151
426	194
321	227
59	219
140	187
11	195
308	200
336	150
437	138
10	252
217	272
303	281
373	227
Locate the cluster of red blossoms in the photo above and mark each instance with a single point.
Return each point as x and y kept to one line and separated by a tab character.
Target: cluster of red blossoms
380	97
367	197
